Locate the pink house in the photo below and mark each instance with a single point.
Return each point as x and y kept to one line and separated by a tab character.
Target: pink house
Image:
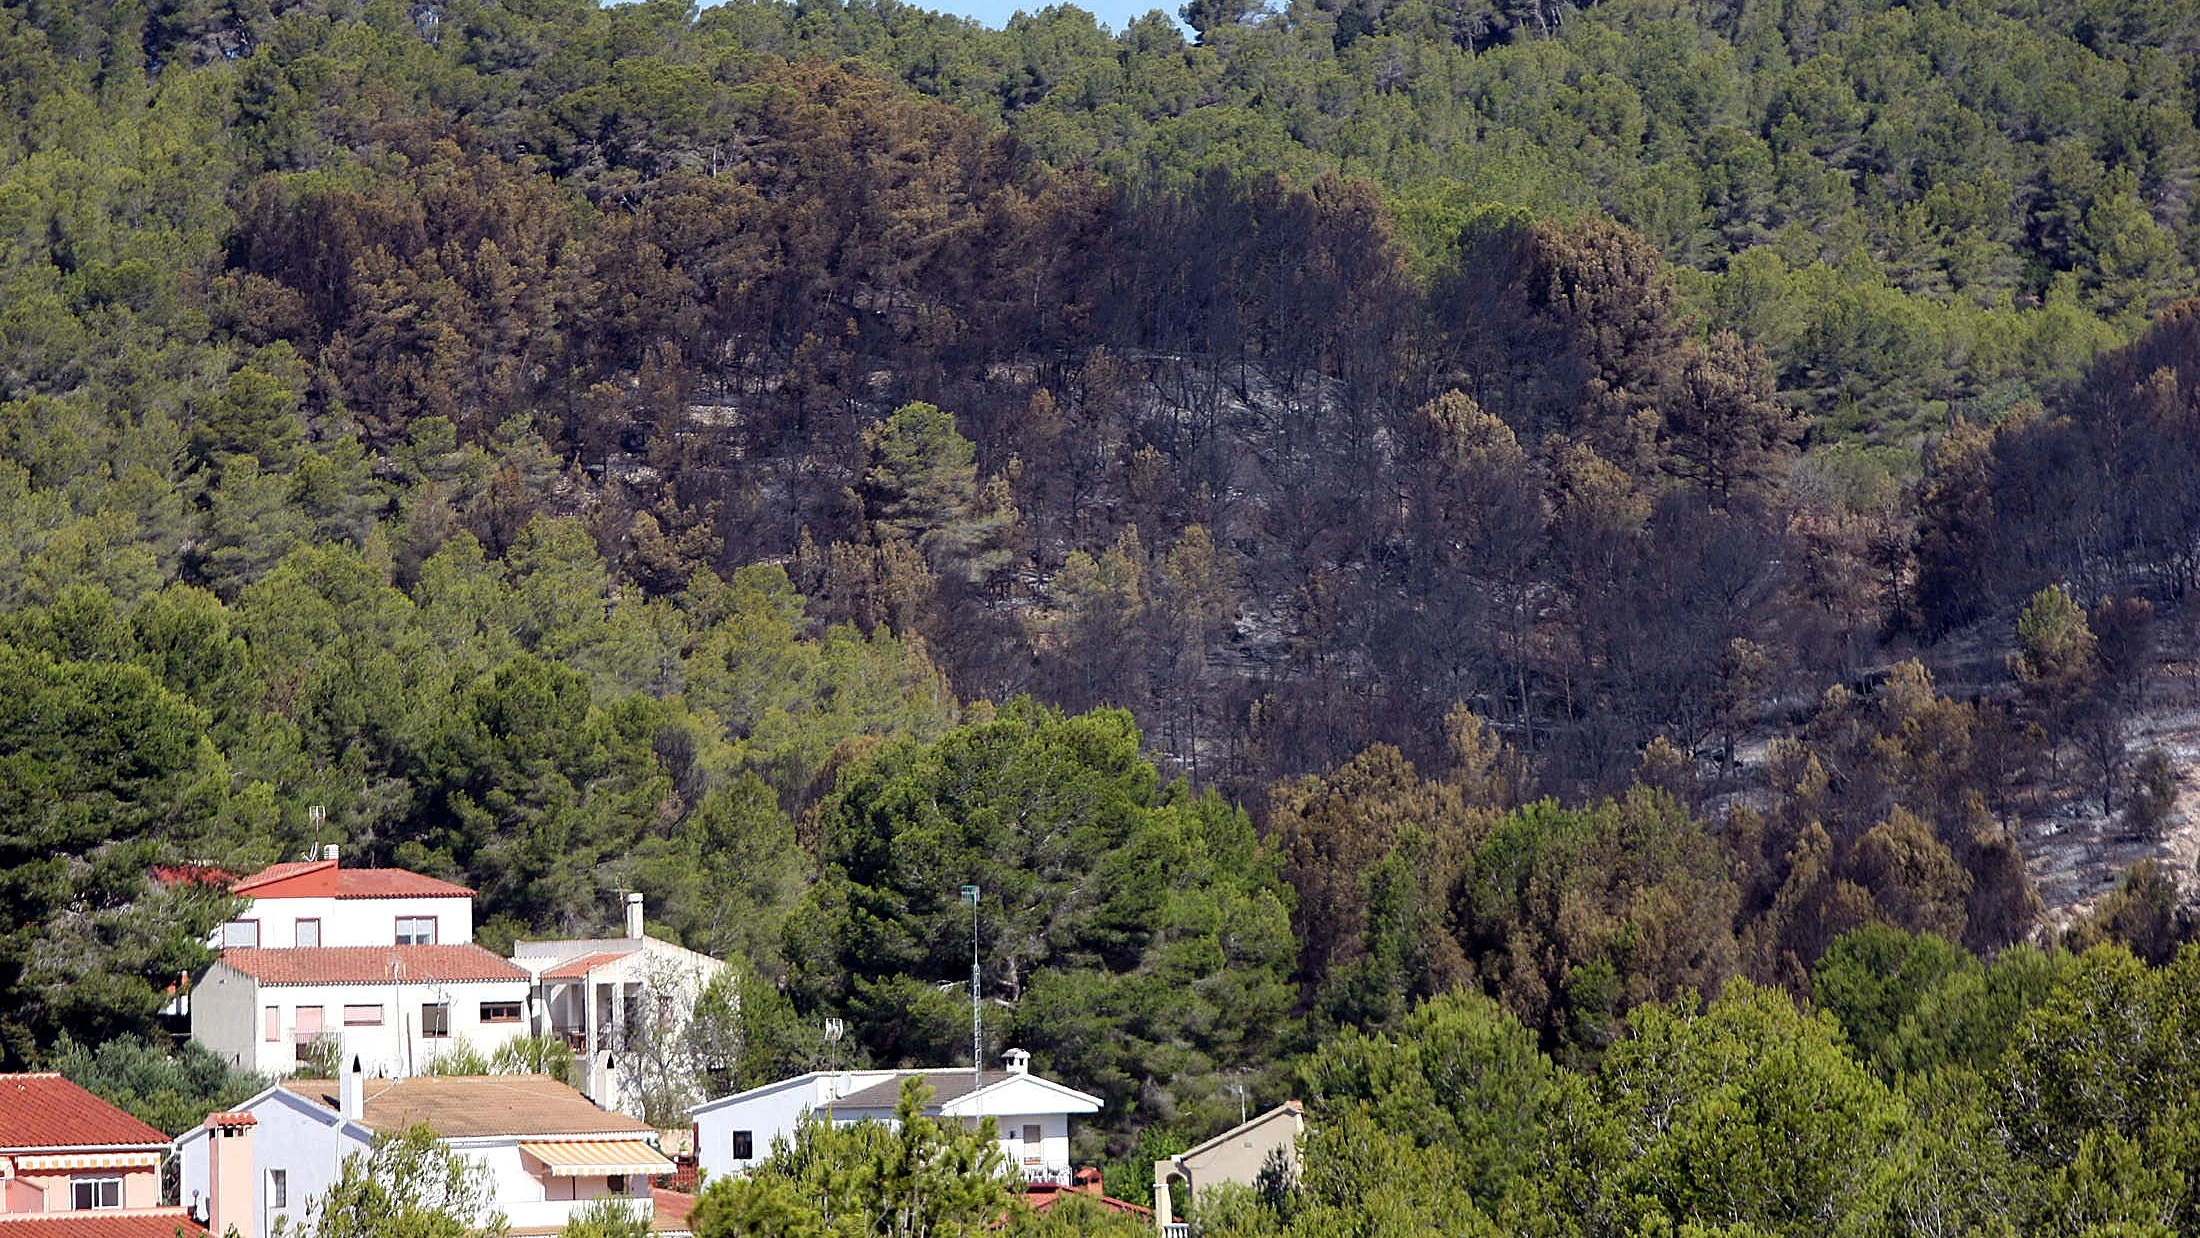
74	1166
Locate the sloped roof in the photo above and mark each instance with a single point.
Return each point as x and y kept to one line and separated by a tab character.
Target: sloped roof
47	1111
670	1210
1044	1196
946	1085
953	1094
372	965
475	1106
326	879
132	1223
574	969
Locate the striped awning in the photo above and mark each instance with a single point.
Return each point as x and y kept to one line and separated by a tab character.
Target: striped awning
589	1158
87	1160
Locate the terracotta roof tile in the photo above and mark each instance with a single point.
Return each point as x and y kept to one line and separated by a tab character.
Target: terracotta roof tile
1044	1196
48	1111
372	965
465	1106
134	1223
669	1210
325	879
574	969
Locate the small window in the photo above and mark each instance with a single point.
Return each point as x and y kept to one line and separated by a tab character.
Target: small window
500	1012
278	1188
744	1145
89	1193
435	1020
363	1016
1031	1135
616	1183
305	1023
309	934
271	1024
241	935
416	930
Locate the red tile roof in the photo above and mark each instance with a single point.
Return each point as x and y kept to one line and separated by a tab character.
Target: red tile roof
48	1111
133	1223
325	879
1043	1196
372	965
669	1210
575	969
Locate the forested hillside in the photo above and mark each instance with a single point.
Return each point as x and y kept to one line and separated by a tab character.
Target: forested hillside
1575	504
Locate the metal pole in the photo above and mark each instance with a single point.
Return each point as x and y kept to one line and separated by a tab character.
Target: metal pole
977	1013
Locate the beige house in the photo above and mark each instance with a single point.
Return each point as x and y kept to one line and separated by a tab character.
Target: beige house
1236	1155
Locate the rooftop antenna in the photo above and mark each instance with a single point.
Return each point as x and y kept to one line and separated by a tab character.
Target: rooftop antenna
977	1013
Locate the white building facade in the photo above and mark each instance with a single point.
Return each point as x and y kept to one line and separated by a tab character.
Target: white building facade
549	1152
622	1003
1032	1113
398	1009
318	903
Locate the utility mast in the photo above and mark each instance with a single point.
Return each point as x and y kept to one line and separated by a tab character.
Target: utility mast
977	1013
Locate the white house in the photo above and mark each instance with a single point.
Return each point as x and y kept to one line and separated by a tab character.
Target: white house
320	903
733	1134
619	1000
550	1152
396	1008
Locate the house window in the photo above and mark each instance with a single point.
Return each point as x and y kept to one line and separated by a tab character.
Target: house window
500	1012
435	1020
88	1193
271	1024
241	935
309	934
278	1188
1031	1134
363	1016
616	1184
744	1145
416	930
305	1024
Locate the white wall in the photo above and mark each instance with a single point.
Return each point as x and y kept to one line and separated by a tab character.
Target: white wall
356	921
1053	1150
767	1113
238	1002
530	1201
307	1141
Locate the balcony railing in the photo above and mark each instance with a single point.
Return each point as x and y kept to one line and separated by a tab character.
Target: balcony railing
1056	1174
1175	1229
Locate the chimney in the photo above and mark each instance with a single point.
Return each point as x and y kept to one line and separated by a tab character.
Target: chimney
634	916
1087	1180
328	852
351	1095
1019	1061
603	1082
230	1174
